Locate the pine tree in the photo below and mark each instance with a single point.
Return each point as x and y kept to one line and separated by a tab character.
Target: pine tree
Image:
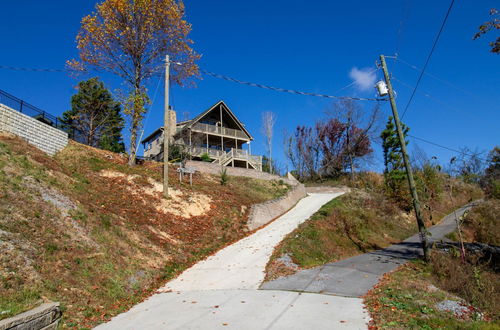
394	173
94	118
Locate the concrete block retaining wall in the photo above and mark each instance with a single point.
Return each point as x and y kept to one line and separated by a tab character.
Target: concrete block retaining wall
43	317
261	214
45	137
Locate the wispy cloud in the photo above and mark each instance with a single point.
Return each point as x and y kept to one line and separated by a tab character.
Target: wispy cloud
364	78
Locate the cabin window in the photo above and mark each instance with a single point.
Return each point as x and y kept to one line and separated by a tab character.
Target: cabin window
208	121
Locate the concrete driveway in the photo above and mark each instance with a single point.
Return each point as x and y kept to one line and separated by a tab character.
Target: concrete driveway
221	291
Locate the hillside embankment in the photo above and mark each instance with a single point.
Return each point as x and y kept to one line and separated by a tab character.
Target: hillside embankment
84	229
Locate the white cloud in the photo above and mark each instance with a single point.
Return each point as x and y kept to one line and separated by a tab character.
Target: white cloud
363	78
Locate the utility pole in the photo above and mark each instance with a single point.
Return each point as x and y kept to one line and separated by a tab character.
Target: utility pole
166	128
409	173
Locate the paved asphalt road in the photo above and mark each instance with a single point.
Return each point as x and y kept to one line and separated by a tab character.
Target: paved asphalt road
355	276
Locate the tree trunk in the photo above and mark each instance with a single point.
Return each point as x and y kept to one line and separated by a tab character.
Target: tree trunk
270	159
351	162
135	124
90	137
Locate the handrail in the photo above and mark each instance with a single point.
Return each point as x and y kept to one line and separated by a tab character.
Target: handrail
223	157
230	132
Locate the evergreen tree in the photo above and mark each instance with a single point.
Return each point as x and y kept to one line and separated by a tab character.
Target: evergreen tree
394	173
94	118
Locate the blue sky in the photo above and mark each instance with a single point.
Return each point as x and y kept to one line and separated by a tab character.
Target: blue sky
305	45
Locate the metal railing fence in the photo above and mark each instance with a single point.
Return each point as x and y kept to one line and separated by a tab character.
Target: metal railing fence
30	110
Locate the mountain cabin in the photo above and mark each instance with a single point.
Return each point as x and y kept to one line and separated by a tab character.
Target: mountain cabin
216	135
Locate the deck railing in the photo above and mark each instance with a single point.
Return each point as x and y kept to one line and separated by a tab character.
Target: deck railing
220	156
225	131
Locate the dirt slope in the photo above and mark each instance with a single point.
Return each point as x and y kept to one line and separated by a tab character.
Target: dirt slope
85	229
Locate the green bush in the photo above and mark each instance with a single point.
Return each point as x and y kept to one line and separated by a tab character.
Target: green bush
177	153
224	178
205	157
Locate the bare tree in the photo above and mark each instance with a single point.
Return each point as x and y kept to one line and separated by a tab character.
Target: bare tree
303	150
268	121
360	127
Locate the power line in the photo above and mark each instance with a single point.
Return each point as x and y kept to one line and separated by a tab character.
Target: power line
227	78
147	114
435	99
404	17
428	57
444	81
448	148
12	68
284	90
354	82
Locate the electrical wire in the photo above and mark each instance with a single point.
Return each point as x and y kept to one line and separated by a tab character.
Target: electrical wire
147	114
12	68
428	57
444	81
231	79
404	17
448	148
429	96
284	90
354	82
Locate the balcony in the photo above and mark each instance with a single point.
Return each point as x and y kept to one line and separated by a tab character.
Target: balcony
217	130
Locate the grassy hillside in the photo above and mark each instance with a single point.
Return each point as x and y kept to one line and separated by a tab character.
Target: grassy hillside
410	296
85	229
358	222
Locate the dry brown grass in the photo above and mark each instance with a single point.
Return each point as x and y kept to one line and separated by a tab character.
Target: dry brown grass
473	280
99	244
481	224
406	299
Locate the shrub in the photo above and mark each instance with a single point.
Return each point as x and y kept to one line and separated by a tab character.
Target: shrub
473	281
224	178
177	153
205	157
481	223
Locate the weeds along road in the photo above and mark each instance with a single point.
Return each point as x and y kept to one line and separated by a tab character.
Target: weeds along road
222	291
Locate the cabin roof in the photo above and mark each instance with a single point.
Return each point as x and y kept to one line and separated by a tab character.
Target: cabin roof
189	123
229	111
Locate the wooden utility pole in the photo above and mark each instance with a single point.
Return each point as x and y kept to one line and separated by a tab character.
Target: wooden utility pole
409	173
166	128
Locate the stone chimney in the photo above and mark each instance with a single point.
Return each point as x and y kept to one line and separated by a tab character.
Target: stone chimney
172	119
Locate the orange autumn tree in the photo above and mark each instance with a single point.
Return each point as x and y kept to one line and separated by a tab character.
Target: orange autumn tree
130	39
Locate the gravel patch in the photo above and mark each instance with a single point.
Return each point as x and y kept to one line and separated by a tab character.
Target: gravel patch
456	307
